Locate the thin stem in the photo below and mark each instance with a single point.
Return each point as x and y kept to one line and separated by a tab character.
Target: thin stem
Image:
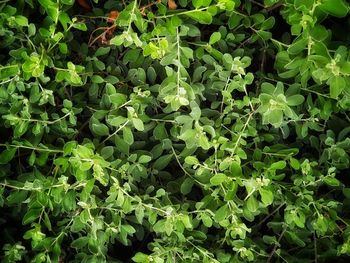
315	246
114	133
183	13
183	169
46	122
6	81
143	204
276	245
313	91
342	220
160	120
178	60
279	42
226	85
132	14
32	148
23	188
93	17
203	252
269	215
241	133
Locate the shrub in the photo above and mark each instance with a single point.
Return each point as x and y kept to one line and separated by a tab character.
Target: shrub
187	131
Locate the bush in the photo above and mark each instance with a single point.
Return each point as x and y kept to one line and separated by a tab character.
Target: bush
187	131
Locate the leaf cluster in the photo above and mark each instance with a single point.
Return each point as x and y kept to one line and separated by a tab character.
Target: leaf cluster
196	131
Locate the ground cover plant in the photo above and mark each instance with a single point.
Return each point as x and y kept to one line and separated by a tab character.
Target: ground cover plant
174	131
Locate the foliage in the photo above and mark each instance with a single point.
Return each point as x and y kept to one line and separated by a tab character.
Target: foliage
195	131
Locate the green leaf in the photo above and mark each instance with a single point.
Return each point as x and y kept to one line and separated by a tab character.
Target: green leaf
162	162
203	142
236	169
337	85
116	120
207	221
278	165
107	152
21	20
145	159
68	2
215	37
80	242
299	218
63	48
117	40
203	17
64	20
117	99
295	100
128	135
140	258
221	213
186	186
31	159
80	26
51	8
97	79
138	124
8	71
68	147
100	129
16	197
139	213
295	239
128	228
321	225
331	181
7	155
252	204
199	3
294	163
21	129
298	46
266	196
338	8
101	51
191	160
274	117
218	179
31	216
196	112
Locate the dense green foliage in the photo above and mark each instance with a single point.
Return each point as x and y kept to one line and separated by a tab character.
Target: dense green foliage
214	132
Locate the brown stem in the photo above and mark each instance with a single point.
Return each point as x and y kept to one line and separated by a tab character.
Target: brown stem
276	245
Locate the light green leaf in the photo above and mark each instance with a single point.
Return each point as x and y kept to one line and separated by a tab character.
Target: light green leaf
338	8
138	124
145	159
337	85
128	135
252	204
215	37
101	51
186	186
295	100
266	196
191	160
218	179
278	165
331	181
100	129
8	71
202	17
